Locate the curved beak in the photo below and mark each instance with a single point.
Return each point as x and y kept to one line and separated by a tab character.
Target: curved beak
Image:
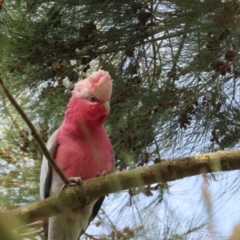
107	107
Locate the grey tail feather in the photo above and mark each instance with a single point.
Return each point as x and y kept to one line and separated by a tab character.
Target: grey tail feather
45	229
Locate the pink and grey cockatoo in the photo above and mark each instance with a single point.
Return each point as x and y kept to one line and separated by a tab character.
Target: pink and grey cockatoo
81	148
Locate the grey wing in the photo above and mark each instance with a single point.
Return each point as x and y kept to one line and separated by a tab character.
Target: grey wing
46	173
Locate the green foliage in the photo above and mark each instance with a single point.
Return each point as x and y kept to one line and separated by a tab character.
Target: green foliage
174	64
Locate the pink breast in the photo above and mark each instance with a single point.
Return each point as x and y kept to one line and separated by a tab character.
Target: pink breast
82	158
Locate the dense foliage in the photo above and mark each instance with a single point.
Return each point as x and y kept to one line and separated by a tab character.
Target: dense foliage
175	69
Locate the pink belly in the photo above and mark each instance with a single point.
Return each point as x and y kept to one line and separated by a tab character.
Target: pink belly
85	161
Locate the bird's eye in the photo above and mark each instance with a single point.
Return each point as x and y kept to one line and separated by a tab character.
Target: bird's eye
92	99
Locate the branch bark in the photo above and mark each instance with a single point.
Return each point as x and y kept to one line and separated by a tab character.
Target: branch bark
165	171
34	133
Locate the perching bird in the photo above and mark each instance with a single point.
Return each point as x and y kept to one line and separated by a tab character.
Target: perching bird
81	148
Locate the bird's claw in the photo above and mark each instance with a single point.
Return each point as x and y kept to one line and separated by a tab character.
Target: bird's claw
104	173
73	181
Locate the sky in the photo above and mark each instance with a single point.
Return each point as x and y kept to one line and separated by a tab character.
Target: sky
189	202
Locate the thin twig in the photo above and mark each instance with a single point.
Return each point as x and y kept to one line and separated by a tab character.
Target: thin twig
91	236
37	224
35	134
32	233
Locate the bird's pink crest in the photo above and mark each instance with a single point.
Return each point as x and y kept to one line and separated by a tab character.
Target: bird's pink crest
98	84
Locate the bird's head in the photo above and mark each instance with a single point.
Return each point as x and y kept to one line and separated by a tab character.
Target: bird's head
90	98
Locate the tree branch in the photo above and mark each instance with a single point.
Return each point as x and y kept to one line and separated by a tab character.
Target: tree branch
75	196
34	133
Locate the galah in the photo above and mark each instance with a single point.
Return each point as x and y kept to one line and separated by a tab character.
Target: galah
81	148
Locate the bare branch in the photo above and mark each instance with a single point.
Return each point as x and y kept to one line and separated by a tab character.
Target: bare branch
75	196
34	133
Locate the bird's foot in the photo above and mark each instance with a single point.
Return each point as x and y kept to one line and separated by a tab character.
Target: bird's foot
73	181
104	173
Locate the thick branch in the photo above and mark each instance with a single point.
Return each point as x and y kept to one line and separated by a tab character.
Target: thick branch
34	133
164	171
